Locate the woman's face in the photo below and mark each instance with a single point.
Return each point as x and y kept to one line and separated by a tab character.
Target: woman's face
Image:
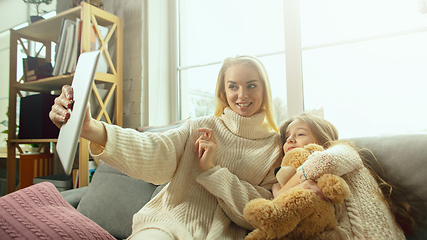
244	89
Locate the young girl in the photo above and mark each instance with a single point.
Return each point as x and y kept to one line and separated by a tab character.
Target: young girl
365	214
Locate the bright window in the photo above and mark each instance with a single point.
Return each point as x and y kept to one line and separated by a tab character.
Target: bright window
210	31
364	65
363	62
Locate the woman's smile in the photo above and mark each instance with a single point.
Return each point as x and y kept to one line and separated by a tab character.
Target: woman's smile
244	90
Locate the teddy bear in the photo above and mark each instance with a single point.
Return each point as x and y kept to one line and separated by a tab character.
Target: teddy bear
297	213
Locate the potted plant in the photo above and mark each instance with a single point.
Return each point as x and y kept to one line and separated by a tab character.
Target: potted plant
37	3
5	122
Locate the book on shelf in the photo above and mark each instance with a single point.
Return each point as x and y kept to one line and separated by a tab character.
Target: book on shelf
60	47
36	77
75	52
68	47
36	68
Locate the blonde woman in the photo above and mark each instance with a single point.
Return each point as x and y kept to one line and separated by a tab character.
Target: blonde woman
215	164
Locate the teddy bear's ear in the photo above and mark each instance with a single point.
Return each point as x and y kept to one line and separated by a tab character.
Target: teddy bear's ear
295	157
312	147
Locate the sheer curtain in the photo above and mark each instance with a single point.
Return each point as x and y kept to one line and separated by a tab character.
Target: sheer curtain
162	60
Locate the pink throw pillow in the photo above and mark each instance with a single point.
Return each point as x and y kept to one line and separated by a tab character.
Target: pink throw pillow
40	212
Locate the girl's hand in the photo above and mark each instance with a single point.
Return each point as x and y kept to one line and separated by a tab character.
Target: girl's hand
312	185
206	146
275	189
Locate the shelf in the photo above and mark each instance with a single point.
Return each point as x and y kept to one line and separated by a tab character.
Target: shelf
41	85
30	141
56	83
47	31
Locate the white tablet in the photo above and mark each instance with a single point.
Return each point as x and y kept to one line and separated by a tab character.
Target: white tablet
69	133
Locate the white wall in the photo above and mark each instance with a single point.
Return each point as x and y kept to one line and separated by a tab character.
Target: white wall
4	83
12	13
15	12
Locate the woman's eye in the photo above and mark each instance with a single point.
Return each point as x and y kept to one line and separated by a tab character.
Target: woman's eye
252	86
232	87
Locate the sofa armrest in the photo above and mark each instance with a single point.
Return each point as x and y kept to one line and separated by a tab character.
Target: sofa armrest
74	196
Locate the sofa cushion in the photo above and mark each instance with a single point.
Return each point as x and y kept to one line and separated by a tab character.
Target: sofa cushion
40	212
112	198
73	196
403	159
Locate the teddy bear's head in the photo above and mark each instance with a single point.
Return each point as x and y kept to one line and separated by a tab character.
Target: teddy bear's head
294	159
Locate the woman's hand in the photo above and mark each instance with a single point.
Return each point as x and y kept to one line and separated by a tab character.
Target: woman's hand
206	146
59	113
92	130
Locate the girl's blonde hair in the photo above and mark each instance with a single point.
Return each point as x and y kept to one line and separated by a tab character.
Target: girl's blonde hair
395	196
324	131
253	62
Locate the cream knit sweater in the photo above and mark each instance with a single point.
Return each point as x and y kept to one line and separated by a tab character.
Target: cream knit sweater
364	214
196	204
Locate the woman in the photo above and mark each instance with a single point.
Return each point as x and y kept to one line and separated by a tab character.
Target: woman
215	164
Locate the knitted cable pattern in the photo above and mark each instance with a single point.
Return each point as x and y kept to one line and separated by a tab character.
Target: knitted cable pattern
40	212
355	221
196	204
365	215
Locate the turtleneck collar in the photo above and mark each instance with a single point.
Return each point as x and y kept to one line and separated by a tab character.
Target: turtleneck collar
253	127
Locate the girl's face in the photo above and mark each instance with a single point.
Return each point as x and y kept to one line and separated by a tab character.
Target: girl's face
298	135
244	90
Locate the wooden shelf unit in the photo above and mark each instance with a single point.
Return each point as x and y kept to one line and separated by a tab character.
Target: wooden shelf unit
45	32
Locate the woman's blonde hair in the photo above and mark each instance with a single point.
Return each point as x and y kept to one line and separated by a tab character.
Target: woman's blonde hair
395	196
253	62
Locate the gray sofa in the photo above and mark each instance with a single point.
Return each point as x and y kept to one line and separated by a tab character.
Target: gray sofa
112	198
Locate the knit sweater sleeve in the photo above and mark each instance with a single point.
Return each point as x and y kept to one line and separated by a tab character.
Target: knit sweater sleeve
152	157
233	193
339	160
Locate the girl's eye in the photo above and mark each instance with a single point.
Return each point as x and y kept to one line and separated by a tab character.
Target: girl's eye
232	87
301	134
